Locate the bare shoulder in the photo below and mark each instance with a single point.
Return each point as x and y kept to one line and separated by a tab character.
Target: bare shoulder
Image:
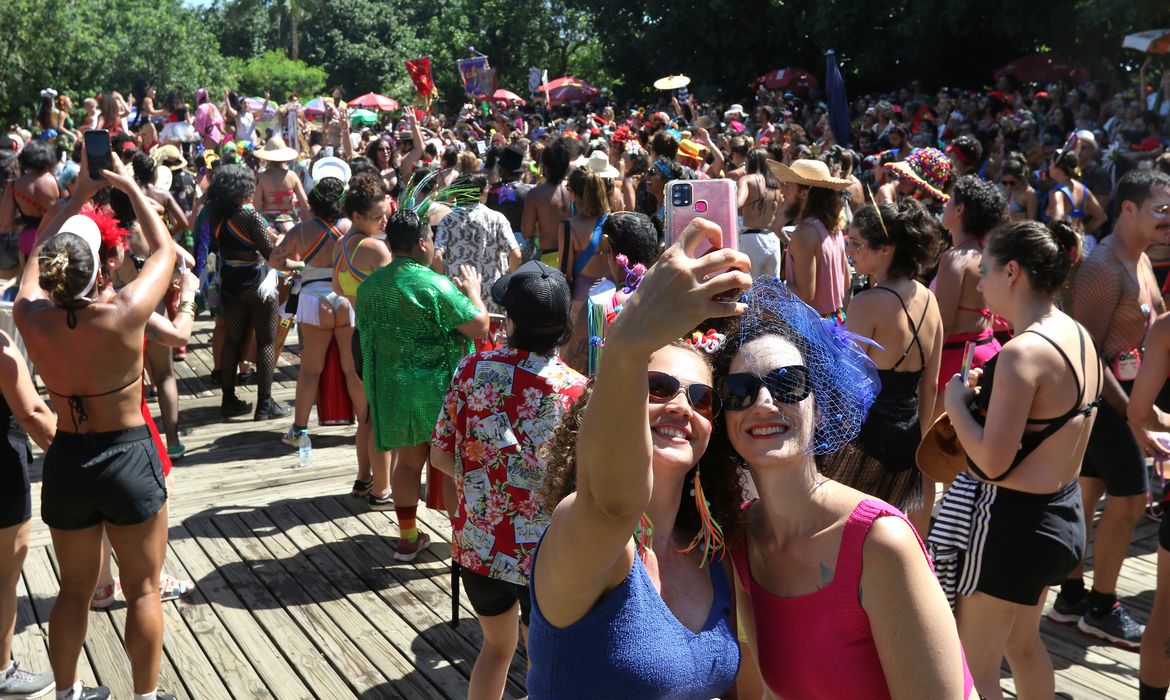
890	543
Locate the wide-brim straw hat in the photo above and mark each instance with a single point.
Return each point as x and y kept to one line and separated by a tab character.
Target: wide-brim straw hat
940	455
276	151
599	163
807	172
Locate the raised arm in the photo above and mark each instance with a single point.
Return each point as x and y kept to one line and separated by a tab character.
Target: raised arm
587	548
139	298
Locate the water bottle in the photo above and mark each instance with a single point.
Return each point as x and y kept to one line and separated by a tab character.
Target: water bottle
306	450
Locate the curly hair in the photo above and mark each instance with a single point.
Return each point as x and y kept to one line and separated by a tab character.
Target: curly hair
327	198
913	231
37	157
365	191
984	206
231	186
722	480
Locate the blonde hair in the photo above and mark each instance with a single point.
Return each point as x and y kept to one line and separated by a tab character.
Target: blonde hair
591	192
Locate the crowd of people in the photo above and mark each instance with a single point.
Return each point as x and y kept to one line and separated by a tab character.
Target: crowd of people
718	471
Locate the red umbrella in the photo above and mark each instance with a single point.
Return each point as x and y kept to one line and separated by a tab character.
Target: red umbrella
372	100
794	79
1043	68
568	89
502	95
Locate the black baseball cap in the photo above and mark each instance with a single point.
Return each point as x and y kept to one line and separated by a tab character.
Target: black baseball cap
535	296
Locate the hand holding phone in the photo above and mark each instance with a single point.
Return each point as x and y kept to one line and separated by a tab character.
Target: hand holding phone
968	358
713	200
98	153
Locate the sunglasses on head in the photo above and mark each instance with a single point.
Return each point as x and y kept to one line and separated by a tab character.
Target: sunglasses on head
702	398
788	385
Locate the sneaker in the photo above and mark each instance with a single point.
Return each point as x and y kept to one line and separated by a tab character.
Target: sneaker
1114	626
177	452
105	596
378	502
245	377
267	409
361	488
15	683
292	438
1067	611
99	693
171	588
407	551
231	407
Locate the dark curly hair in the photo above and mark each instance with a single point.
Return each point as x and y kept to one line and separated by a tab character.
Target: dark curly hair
632	235
1046	253
37	157
722	480
231	186
365	191
327	199
984	206
913	231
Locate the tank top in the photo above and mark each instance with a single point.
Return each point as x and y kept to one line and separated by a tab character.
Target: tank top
630	645
349	277
832	271
820	646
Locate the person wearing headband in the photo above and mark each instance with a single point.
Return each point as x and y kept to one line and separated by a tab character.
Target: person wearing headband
828	578
631	595
102	471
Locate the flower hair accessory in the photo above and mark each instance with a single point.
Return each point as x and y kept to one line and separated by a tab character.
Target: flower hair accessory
634	275
708	342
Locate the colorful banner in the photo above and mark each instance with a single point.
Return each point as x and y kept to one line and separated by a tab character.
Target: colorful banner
420	74
472	72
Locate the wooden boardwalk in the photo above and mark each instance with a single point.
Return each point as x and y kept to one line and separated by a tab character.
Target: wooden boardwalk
298	596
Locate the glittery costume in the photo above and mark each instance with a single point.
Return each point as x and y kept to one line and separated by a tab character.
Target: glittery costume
410	348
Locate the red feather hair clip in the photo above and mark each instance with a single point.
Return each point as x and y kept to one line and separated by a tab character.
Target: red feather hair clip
113	235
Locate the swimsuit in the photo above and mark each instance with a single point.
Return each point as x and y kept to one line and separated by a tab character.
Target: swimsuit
317	282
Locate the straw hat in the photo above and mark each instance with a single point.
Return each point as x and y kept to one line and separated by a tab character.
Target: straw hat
274	150
940	456
691	149
807	172
599	163
169	155
929	168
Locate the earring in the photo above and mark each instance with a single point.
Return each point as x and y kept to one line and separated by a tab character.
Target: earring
710	535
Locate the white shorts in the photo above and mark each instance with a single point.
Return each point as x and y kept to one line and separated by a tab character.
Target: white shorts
315	293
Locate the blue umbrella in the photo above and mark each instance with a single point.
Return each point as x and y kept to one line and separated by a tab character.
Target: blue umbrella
838	102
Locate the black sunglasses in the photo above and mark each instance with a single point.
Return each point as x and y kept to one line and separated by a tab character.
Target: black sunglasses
786	385
702	398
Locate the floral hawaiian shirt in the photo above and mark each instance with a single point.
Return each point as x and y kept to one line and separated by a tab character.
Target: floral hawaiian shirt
501	407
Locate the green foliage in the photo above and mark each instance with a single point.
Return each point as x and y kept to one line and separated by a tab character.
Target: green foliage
83	48
279	74
362	44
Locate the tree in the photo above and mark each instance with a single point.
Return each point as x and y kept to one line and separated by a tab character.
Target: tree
275	72
362	44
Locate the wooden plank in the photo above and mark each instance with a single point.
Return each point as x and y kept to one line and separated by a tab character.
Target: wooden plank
418	656
306	659
43	586
30	646
232	638
287	591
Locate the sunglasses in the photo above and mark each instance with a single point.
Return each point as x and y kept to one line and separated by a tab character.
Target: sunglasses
702	398
788	385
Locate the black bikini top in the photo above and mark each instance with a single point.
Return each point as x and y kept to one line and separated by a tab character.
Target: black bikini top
76	405
1031	440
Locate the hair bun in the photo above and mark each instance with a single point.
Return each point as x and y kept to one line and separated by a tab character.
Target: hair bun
1068	239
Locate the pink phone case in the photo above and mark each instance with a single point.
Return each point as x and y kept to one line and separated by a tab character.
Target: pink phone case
713	200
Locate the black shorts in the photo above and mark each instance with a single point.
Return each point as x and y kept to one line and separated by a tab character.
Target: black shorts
355	347
1028	542
15	489
1113	454
9	251
490	597
91	478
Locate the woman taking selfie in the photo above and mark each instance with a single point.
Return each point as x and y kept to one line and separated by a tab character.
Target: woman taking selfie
100	426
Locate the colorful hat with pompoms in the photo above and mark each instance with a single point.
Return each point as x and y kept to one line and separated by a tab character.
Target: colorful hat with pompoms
928	168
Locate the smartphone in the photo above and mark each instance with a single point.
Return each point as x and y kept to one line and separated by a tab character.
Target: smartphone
98	156
713	200
968	358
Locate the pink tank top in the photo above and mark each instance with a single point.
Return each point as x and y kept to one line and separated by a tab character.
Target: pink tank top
803	644
832	270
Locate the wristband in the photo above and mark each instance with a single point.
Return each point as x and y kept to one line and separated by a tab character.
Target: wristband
187	307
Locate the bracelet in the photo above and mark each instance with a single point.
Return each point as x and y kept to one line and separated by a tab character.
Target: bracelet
187	307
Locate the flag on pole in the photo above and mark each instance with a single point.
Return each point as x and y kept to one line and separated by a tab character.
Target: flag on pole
535	79
471	71
420	74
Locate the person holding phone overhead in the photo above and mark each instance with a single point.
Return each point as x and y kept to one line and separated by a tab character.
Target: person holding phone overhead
817	269
1013	524
100	426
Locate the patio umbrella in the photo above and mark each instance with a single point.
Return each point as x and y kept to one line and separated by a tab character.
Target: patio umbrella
1149	41
502	95
568	90
314	108
1043	68
259	105
838	102
372	100
362	116
672	82
794	79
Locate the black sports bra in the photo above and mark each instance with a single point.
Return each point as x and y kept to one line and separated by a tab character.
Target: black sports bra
1030	441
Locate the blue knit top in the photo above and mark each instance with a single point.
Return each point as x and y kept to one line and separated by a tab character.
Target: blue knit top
630	645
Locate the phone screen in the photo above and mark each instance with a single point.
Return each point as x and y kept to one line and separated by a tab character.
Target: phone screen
97	152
